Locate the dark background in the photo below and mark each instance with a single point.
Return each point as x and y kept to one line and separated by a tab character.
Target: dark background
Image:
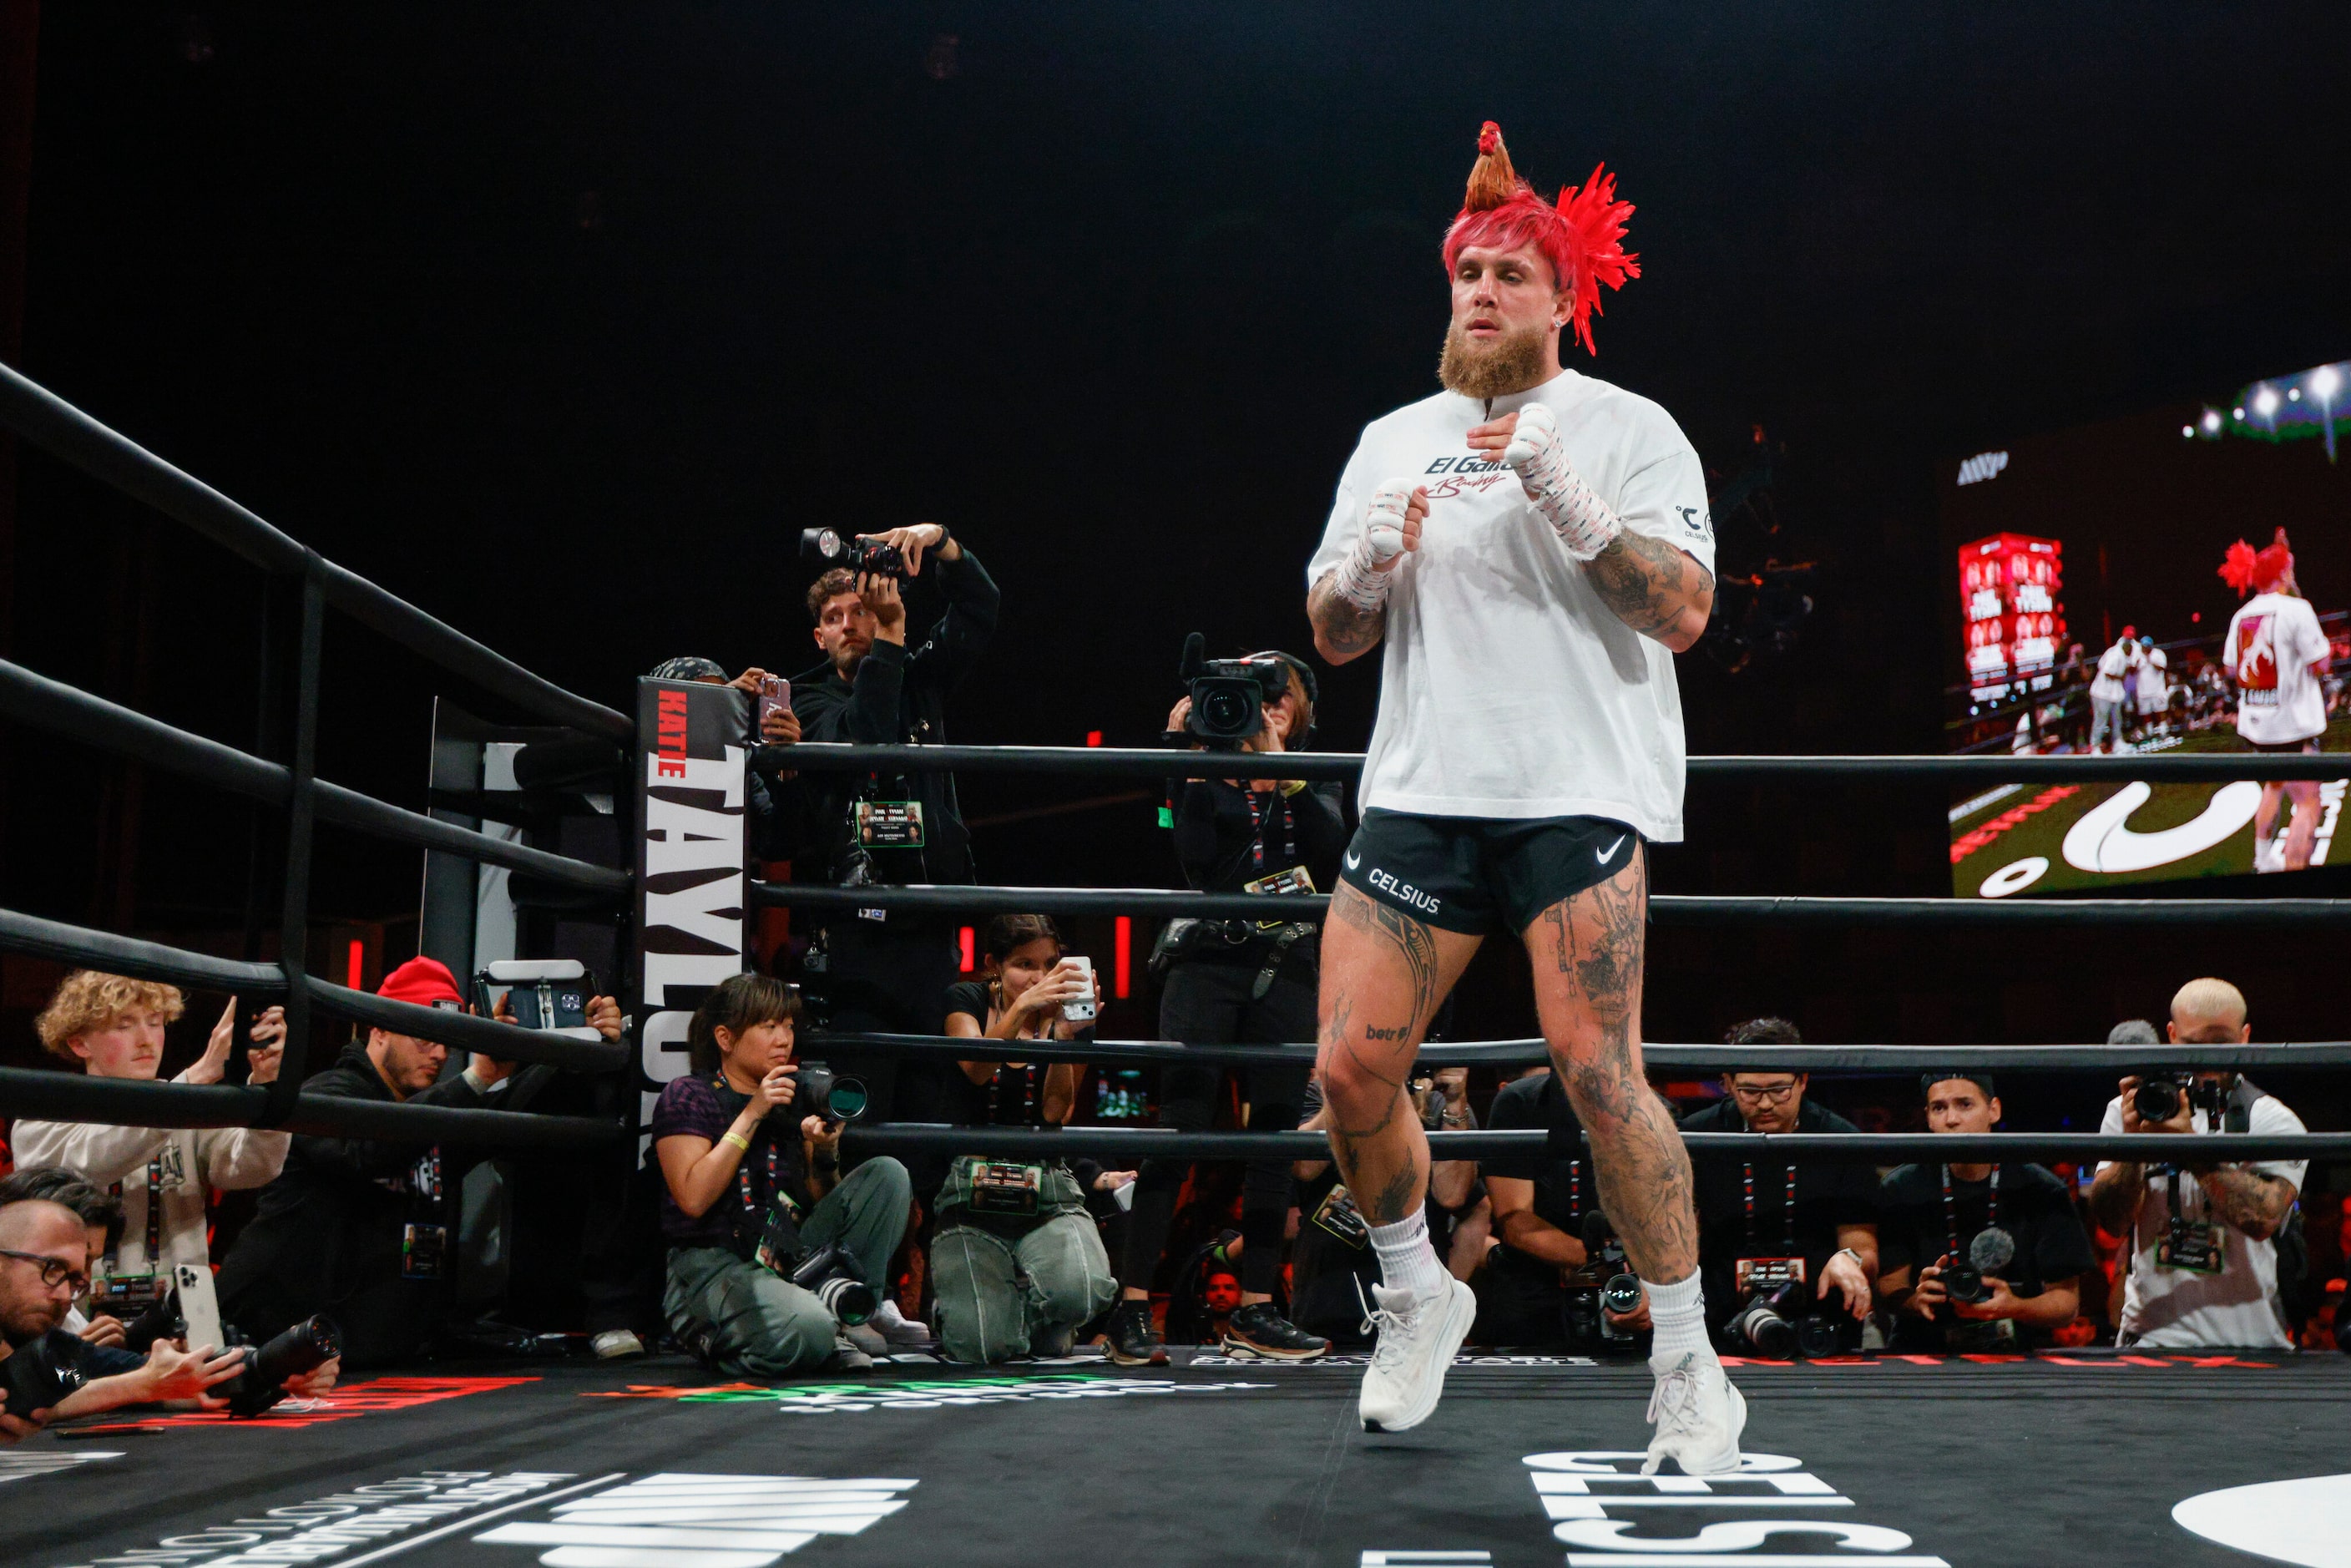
561	321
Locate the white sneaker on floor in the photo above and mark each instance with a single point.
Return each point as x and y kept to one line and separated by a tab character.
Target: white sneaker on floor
897	1328
1699	1417
616	1345
1417	1339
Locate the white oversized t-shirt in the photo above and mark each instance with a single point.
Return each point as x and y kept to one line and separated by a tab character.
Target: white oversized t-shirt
1509	690
2273	639
2171	1309
2113	666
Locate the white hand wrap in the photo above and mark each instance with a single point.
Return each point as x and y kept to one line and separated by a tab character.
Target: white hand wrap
1580	519
1361	582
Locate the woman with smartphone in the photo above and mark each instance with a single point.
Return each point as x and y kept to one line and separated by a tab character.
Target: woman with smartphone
1238	981
1016	1264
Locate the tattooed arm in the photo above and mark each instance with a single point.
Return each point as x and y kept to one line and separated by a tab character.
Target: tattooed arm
1342	631
2253	1203
2115	1195
1654	588
1349	603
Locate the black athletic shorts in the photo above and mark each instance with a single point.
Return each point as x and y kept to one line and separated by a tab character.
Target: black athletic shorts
2282	748
1482	875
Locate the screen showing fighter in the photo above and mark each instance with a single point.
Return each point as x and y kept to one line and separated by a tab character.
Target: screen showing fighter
2174	581
1533	546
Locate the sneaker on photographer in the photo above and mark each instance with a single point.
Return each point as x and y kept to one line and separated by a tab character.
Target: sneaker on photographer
1697	1413
1418	1337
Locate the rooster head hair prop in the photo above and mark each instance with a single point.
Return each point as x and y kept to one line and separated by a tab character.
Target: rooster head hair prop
2247	570
1581	234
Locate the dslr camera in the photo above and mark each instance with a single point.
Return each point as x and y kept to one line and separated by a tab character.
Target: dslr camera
829	1271
825	548
2162	1092
1786	1322
835	1097
1229	695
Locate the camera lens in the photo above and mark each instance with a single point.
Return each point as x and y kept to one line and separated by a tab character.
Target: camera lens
1226	711
1963	1282
847	1101
1622	1294
2157	1100
1817	1337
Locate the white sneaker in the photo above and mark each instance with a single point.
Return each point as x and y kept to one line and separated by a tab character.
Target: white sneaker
1417	1339
1699	1417
616	1345
897	1328
2269	854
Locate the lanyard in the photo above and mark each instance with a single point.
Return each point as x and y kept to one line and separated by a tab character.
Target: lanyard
1261	815
1575	1190
1025	1109
743	1166
1951	1210
154	1209
1788	1209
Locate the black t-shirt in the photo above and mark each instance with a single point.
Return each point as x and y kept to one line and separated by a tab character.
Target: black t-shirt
1017	1096
1227	835
703	1105
2035	1207
1565	1186
1828	1193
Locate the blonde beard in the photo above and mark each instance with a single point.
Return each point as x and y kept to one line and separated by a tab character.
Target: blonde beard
1512	363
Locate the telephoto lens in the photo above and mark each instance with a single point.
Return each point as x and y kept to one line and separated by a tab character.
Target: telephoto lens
1622	1294
2158	1097
832	1274
304	1347
1760	1323
834	1096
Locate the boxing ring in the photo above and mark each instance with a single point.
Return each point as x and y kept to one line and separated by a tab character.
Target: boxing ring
1212	1459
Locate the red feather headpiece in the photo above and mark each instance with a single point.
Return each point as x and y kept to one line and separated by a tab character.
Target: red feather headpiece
1582	235
2247	570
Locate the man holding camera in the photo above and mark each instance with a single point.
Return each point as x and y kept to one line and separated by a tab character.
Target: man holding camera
363	1230
1786	1243
888	972
1541	1202
2205	1257
2008	1250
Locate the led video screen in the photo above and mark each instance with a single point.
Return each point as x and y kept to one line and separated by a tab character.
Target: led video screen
2101	600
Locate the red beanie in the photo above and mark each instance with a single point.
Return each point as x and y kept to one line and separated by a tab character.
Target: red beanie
425	982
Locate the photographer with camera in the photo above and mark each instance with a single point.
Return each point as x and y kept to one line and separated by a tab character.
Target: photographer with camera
1236	981
2008	1251
362	1229
773	1253
2210	1252
1018	1263
1547	1274
113	1027
878	971
45	1371
1787	1252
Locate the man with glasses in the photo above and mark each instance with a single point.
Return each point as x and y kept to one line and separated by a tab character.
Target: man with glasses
44	1266
1763	1221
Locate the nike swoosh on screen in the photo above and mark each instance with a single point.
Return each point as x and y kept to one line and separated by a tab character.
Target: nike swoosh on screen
1604	856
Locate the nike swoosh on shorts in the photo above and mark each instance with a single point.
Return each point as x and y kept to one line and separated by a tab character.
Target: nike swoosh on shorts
1604	856
1354	861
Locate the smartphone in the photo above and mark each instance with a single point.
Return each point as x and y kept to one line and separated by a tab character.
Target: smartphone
1083	1009
775	694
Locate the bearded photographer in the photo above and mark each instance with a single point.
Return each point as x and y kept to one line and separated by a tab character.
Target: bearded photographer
1978	1257
2210	1242
880	971
46	1371
1787	1250
773	1253
1232	982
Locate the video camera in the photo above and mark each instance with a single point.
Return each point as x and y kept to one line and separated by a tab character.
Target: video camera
1229	695
825	548
2162	1092
1603	1285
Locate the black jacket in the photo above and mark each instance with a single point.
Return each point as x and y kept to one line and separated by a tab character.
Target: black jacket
899	695
328	1234
1218	836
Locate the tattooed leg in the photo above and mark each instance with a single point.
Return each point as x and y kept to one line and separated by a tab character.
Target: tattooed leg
1384	975
1587	953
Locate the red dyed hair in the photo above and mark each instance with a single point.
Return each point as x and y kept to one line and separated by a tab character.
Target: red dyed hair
2246	568
1581	234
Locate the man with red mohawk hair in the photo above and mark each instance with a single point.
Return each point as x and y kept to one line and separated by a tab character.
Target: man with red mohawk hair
1534	546
2278	656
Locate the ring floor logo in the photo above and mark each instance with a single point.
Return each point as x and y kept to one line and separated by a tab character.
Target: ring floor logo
666	1521
1609	1516
926	1393
2306	1521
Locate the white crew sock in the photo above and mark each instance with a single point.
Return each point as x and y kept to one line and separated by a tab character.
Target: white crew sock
1677	1312
1407	1259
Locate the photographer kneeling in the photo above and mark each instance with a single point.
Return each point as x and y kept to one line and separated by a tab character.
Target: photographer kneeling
753	1202
1238	981
2008	1250
1786	1250
1018	1264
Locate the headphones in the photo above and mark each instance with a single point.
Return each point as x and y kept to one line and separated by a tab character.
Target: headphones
1305	679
